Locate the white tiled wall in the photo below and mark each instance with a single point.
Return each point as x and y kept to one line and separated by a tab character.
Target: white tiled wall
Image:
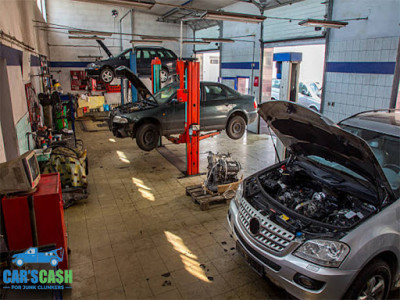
353	93
364	50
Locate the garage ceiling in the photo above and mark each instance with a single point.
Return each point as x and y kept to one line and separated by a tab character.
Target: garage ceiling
174	15
202	4
173	11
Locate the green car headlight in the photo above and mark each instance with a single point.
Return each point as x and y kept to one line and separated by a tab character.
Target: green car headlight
120	120
323	252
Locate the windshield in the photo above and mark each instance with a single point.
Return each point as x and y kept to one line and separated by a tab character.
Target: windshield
386	149
166	93
123	52
314	88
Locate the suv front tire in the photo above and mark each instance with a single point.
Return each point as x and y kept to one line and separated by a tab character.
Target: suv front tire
373	282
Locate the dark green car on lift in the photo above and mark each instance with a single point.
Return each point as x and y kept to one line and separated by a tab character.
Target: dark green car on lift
221	108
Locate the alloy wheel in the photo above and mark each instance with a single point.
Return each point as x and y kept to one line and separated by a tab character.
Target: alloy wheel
163	75
107	76
373	289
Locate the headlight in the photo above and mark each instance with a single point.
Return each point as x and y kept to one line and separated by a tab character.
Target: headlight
120	120
323	253
239	194
94	65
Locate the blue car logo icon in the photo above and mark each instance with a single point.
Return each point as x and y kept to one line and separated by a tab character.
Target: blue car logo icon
32	255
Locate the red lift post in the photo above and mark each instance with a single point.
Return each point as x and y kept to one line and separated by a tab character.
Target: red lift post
188	73
189	92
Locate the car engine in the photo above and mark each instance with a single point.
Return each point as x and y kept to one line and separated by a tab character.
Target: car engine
222	169
304	195
135	106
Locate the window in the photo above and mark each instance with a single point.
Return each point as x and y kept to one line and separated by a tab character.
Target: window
160	54
214	60
153	53
386	150
42	7
276	83
139	54
215	92
166	93
146	54
314	87
169	54
124	53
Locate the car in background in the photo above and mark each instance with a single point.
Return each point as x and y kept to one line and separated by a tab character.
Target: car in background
105	69
324	223
221	108
309	94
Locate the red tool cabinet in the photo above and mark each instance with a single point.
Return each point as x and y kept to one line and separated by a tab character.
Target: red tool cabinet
49	217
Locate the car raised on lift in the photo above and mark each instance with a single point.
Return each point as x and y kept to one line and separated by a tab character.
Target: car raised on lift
324	223
221	108
105	69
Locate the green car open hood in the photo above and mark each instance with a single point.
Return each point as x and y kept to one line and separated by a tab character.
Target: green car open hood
306	132
135	81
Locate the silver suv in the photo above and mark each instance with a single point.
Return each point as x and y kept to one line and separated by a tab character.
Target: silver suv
325	222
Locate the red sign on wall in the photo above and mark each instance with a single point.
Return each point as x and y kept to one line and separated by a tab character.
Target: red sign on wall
256	81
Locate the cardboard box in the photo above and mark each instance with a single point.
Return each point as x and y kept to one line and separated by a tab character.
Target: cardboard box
96	102
222	188
79	112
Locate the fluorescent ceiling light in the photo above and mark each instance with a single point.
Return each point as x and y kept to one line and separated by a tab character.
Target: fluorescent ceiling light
195	42
89	32
323	23
72	37
128	3
145	42
210	40
158	38
234	17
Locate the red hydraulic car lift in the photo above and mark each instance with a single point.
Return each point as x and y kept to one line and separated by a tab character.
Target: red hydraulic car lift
189	93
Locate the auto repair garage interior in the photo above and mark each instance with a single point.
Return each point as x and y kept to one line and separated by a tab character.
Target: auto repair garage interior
198	149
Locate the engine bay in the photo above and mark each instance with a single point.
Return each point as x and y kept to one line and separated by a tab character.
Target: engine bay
307	202
135	106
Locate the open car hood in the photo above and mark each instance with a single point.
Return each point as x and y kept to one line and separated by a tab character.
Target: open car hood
135	81
305	132
105	48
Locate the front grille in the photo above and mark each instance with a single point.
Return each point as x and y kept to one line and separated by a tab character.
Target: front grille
262	258
270	235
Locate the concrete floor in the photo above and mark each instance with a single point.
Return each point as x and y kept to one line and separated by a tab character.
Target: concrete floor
139	236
